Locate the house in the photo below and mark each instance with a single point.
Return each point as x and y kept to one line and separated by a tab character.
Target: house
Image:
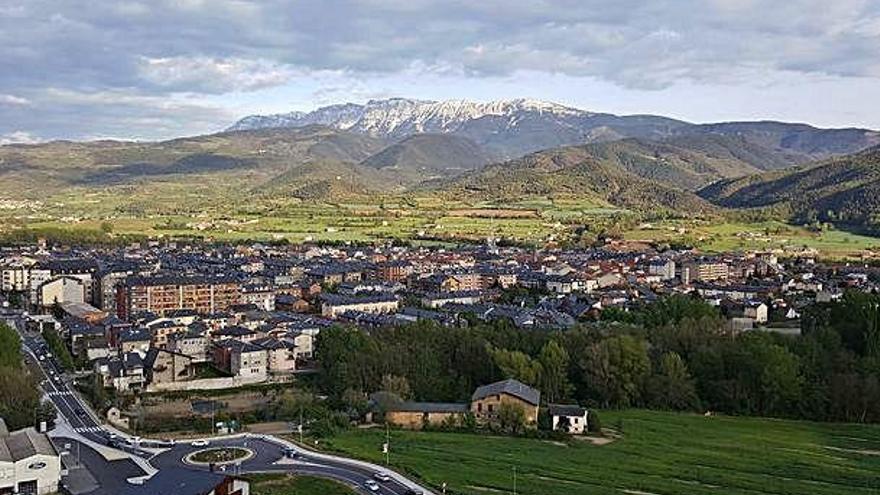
124	372
242	359
303	341
487	399
568	418
60	290
663	268
756	310
280	354
29	462
416	415
162	331
334	305
286	302
164	366
235	332
192	343
134	340
439	299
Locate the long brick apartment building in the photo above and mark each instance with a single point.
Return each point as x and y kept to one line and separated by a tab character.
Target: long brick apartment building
168	293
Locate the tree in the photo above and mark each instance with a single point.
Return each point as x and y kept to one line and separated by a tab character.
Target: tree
19	398
594	424
397	385
10	348
510	418
671	386
615	369
553	383
517	365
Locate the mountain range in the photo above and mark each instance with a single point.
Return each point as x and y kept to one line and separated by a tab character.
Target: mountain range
482	151
512	128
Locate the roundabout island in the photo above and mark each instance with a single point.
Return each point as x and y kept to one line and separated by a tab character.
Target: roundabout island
218	456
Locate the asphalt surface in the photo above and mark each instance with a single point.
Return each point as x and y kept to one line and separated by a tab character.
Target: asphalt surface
174	475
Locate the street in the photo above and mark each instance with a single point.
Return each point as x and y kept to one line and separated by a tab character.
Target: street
84	434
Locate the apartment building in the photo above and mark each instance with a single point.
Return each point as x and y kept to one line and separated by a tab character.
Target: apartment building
161	295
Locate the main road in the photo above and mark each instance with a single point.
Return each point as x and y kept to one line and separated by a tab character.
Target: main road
141	467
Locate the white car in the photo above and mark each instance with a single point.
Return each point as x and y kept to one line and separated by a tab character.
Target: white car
200	443
382	477
371	485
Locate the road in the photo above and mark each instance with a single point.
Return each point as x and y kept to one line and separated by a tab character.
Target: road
172	473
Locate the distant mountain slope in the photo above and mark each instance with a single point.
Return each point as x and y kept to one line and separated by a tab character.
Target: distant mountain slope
737	149
800	141
512	128
670	163
844	189
576	171
247	156
425	156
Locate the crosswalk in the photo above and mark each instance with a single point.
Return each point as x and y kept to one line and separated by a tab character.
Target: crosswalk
56	393
88	429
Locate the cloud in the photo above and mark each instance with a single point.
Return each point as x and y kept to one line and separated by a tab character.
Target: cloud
169	48
13	100
18	137
213	75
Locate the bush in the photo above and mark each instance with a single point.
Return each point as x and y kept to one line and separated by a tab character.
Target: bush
594	425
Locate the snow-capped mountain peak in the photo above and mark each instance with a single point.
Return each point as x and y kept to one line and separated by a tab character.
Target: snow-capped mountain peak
402	116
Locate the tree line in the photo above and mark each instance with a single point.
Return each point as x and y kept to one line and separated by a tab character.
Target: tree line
675	354
20	401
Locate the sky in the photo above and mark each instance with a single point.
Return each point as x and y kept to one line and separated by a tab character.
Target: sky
157	69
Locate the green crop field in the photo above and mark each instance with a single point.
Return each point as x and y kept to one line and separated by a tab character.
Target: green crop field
170	210
659	453
736	236
283	484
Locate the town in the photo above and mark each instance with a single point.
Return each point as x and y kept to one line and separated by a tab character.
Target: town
152	317
159	318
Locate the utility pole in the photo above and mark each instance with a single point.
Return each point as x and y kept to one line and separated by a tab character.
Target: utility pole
300	424
514	480
387	445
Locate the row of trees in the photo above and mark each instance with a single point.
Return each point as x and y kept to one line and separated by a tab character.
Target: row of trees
20	404
674	354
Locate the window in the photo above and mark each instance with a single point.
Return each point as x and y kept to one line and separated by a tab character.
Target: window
479	407
491	407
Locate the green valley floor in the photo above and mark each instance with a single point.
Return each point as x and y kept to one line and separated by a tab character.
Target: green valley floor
659	453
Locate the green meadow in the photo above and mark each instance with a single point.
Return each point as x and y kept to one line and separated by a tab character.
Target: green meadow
658	453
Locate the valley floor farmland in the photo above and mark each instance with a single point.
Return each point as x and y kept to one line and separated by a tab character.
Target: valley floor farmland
660	453
182	213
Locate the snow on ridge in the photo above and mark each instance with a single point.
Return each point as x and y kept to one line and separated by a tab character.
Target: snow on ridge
396	116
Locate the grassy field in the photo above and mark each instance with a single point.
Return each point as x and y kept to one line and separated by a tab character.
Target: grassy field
732	236
283	484
168	212
660	453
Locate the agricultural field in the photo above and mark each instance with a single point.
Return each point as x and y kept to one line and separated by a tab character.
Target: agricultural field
166	211
283	484
736	236
658	454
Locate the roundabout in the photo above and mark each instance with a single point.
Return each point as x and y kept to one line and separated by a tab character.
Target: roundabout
218	456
